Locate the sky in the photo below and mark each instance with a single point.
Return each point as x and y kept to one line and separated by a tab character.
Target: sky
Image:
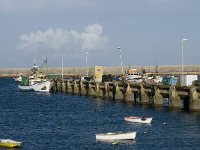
148	32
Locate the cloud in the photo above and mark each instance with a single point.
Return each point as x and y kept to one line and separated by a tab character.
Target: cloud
56	39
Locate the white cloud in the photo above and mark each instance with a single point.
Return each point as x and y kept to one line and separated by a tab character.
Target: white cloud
57	39
92	37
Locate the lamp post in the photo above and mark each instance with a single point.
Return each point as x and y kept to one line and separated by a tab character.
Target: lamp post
35	56
62	65
120	56
182	60
86	61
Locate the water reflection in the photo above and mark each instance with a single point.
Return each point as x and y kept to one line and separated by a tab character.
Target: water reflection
118	142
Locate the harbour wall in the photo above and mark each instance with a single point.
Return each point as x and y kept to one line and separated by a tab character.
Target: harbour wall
187	98
171	70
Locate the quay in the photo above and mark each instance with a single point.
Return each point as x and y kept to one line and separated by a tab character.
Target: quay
187	98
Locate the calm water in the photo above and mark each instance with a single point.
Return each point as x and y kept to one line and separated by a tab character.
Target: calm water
58	121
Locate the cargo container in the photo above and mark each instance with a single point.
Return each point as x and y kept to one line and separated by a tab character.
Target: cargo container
186	80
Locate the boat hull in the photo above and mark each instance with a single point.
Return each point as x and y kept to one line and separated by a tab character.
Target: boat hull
25	88
10	143
43	86
139	119
38	87
116	136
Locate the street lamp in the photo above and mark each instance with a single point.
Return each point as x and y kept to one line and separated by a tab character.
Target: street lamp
35	55
120	56
86	61
182	56
62	65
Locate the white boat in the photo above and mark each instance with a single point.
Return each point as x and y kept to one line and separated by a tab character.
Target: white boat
10	143
37	82
116	136
25	88
139	119
44	86
133	76
154	79
19	78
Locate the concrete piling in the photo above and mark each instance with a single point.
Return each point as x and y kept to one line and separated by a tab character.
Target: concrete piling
129	93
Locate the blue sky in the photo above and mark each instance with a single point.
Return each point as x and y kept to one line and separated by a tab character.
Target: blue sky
149	32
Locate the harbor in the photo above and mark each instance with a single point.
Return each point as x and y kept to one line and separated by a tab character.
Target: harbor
174	96
99	75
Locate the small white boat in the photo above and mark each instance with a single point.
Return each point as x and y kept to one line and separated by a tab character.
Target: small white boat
25	88
139	119
10	143
116	136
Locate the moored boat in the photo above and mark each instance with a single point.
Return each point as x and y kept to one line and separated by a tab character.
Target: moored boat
44	86
10	143
37	82
133	76
139	119
25	88
116	136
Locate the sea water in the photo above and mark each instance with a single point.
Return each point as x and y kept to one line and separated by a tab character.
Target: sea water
59	121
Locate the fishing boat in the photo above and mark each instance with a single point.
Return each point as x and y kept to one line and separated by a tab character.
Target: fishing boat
44	86
29	84
139	119
116	136
10	143
37	82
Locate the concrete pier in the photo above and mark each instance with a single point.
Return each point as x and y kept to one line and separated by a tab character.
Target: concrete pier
138	93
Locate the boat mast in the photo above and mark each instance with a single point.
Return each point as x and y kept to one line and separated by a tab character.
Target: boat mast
34	68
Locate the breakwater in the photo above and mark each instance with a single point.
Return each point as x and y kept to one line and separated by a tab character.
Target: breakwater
170	70
139	93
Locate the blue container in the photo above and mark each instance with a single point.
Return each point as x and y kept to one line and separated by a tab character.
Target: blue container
169	80
198	77
165	102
